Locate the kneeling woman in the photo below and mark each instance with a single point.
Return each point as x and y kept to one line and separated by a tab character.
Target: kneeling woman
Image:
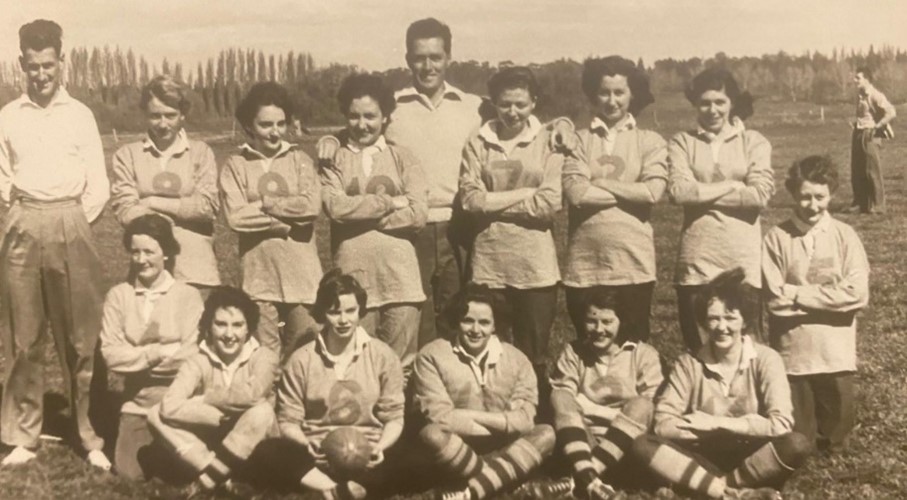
729	406
221	397
150	327
602	390
478	396
344	378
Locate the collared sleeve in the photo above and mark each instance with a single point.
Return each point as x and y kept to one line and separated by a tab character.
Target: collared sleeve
391	401
124	191
191	309
181	407
774	391
521	407
341	207
674	400
760	179
242	215
97	186
201	205
654	172
415	187
472	188
121	355
246	392
431	398
302	208
849	293
576	176
775	264
649	376
566	373
683	188
291	390
6	165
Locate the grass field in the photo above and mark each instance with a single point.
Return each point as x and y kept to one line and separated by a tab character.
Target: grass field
874	465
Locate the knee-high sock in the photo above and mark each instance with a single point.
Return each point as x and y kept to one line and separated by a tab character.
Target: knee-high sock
773	462
512	466
579	453
679	468
458	458
616	442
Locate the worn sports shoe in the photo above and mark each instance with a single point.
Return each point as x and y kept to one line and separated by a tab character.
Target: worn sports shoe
599	490
463	494
752	494
20	455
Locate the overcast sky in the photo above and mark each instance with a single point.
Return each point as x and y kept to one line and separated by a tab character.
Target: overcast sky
369	33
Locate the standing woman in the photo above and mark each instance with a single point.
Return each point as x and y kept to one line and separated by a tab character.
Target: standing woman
150	327
510	180
271	198
721	174
171	175
376	196
621	173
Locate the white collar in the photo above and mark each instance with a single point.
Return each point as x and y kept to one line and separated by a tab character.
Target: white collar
360	339
748	353
626	123
285	147
823	224
160	286
491	353
248	349
733	127
60	97
489	131
180	144
412	92
380	145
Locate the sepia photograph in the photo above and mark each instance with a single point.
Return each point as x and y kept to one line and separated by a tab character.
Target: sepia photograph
453	250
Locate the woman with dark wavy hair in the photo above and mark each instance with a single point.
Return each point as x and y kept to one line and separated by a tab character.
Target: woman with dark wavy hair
617	174
721	174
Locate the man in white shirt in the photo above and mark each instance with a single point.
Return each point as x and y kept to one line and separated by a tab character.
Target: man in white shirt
54	180
873	123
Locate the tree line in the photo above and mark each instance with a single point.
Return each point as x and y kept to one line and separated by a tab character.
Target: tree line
110	80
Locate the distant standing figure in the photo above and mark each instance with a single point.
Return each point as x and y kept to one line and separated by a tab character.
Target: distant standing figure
816	276
271	197
150	327
874	115
376	195
171	175
52	174
721	173
617	175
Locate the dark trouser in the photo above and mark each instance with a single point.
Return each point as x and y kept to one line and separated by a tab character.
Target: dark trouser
440	265
634	304
824	407
525	318
866	171
49	270
686	312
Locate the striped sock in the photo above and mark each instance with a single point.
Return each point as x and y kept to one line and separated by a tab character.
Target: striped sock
678	468
617	440
579	453
511	467
457	457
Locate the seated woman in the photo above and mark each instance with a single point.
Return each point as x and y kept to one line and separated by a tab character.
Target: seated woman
816	279
601	390
219	406
172	175
344	378
149	327
723	421
479	398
